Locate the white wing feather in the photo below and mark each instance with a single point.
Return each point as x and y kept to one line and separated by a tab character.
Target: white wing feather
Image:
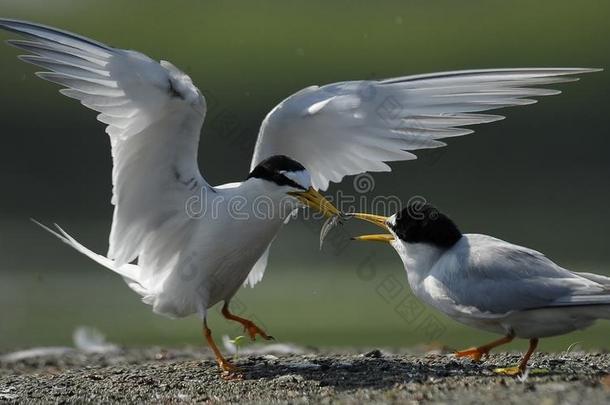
353	127
154	115
258	271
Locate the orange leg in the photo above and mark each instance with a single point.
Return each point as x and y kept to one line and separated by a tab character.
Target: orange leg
249	326
520	369
476	353
526	358
228	369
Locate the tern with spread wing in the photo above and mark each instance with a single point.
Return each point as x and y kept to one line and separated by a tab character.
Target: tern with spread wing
183	264
488	283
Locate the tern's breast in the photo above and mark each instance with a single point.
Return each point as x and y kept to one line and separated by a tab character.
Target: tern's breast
216	262
242	243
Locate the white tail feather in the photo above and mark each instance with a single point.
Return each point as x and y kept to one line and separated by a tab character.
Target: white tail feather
130	272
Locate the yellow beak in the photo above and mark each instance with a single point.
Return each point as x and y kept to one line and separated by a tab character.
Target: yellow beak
312	198
378	220
385	237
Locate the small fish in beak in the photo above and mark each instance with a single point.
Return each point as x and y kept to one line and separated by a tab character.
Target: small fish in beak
338	219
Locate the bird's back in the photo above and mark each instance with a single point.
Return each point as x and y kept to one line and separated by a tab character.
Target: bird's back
486	275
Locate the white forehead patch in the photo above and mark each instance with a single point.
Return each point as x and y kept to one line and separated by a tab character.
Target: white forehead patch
396	243
300	177
392	220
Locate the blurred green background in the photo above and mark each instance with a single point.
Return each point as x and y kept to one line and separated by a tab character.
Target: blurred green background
539	178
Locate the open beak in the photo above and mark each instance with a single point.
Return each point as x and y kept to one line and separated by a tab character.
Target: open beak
312	198
378	220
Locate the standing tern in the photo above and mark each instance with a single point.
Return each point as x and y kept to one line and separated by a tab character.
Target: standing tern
154	114
490	284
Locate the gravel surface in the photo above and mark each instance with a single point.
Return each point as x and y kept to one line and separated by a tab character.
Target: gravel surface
190	375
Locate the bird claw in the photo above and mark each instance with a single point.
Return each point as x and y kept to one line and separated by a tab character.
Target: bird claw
512	371
230	372
232	376
254	330
475	353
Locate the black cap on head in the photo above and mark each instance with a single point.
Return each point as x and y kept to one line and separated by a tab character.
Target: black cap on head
423	223
272	169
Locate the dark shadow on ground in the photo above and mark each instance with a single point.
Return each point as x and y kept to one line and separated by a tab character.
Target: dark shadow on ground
376	373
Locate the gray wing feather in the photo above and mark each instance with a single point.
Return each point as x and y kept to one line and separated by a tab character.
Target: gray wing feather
497	277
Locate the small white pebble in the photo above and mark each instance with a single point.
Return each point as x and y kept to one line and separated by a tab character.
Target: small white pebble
289	378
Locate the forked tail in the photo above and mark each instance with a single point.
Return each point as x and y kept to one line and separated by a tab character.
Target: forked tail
129	272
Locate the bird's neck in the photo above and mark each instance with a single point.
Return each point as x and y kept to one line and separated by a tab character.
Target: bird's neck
418	259
260	200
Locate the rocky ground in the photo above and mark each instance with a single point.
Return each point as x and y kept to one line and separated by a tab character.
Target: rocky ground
298	376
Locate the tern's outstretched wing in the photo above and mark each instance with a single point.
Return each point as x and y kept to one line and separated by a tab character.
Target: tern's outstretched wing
352	127
154	115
